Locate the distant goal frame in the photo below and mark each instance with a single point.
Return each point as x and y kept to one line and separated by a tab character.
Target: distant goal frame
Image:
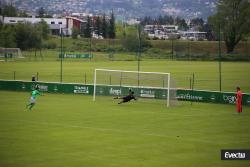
10	53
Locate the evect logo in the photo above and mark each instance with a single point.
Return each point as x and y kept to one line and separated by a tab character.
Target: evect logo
235	154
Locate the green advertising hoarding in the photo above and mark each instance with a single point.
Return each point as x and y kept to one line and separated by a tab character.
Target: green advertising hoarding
104	90
50	87
77	56
211	96
122	91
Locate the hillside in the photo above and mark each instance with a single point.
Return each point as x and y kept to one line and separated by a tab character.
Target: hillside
124	8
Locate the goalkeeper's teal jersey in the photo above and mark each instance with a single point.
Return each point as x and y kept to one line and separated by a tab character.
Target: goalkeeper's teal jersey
35	93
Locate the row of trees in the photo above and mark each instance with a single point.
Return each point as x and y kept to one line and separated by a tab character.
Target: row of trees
24	36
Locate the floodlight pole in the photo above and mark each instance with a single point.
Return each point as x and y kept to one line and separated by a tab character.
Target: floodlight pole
219	43
61	55
90	45
139	53
169	87
172	48
94	91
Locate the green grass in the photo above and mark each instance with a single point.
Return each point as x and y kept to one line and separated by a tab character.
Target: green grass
191	47
71	130
206	73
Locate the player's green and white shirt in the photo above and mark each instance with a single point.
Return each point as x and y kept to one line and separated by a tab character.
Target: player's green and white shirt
35	93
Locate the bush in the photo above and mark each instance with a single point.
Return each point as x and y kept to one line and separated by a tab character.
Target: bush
75	33
156	53
49	45
52	45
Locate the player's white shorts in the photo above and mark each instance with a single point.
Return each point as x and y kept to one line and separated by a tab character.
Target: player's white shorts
32	100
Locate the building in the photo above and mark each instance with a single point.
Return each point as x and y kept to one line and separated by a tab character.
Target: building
81	15
161	31
172	32
193	35
55	24
133	22
73	22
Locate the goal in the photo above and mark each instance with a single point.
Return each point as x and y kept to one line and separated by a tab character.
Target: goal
10	53
155	85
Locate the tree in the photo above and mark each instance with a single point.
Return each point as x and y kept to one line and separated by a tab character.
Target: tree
181	23
120	30
75	33
168	20
87	29
43	29
7	36
35	40
98	25
146	20
209	32
41	12
9	11
233	19
27	36
131	42
197	23
112	26
22	14
104	26
160	20
22	34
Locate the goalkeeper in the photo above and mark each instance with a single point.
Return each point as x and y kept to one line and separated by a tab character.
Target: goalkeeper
127	98
34	94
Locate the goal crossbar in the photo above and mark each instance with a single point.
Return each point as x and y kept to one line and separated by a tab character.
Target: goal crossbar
141	72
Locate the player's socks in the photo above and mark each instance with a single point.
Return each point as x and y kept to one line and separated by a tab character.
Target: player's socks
28	105
31	106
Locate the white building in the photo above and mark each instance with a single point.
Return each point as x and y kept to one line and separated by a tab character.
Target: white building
161	31
55	24
133	22
193	35
81	15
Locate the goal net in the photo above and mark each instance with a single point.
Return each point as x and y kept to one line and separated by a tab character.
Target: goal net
152	85
10	53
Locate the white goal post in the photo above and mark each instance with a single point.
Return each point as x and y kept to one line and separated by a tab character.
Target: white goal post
132	79
10	53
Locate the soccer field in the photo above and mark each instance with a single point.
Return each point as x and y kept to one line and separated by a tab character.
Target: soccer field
72	130
206	73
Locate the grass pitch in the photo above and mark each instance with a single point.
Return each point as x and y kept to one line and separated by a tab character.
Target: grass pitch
71	130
